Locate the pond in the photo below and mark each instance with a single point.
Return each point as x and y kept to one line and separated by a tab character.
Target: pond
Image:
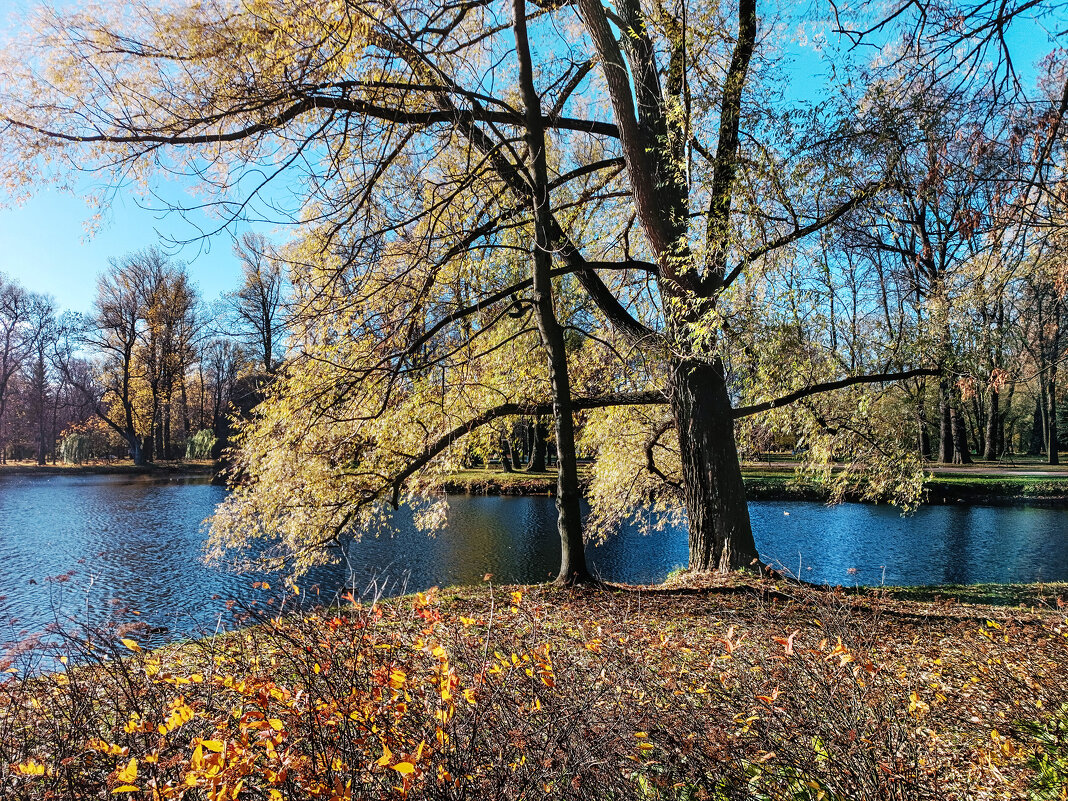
85	547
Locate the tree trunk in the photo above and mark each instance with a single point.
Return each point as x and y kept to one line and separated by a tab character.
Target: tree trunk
993	426
961	452
945	423
569	521
1053	456
923	437
168	449
137	450
539	446
506	454
1037	428
978	431
721	535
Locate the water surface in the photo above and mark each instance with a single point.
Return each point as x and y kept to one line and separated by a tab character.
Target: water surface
85	547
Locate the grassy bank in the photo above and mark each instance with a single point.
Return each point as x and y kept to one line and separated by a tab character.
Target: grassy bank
702	690
781	484
772	484
122	468
762	483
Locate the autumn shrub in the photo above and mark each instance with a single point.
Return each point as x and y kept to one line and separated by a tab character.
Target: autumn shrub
200	445
498	696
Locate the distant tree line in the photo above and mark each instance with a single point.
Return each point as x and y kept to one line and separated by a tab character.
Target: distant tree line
150	372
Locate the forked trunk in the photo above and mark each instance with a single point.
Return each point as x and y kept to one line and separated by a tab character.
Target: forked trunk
721	536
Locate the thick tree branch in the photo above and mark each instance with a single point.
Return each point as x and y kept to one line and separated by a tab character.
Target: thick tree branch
636	145
512	410
309	104
830	386
722	190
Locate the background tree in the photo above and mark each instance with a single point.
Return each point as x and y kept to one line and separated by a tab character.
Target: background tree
16	343
42	334
258	306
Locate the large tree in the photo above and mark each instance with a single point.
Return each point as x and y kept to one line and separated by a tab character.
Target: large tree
400	129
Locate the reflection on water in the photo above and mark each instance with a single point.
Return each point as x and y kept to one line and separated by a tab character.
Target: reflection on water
130	540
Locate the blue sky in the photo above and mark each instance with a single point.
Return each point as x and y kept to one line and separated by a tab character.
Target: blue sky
44	244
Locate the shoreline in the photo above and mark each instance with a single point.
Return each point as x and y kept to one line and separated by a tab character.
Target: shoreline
162	469
780	485
761	484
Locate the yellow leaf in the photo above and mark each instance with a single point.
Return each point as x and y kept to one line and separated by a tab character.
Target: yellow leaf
131	644
404	768
387	756
129	773
126	788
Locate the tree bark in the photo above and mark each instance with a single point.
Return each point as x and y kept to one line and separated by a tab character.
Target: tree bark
721	535
923	437
945	423
506	454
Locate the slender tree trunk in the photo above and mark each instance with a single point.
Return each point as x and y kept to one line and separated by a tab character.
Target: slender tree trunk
945	423
978	431
961	452
168	451
506	454
55	420
569	521
1053	455
186	421
721	535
